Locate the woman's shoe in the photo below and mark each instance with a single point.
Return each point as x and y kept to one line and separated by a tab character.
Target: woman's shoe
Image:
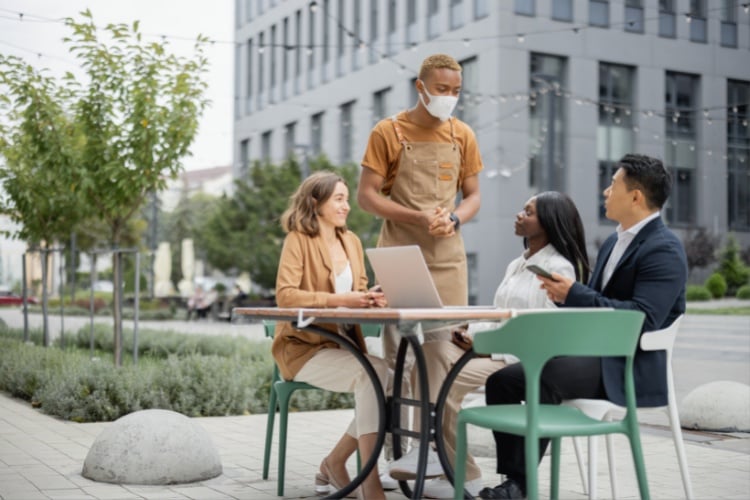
325	480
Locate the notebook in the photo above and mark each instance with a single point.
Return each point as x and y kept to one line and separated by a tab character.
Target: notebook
403	274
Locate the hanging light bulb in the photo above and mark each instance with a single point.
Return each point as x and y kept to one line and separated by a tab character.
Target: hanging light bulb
466	42
520	38
313	6
688	17
746	7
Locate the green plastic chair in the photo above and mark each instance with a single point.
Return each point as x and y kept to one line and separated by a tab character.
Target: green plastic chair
535	338
279	397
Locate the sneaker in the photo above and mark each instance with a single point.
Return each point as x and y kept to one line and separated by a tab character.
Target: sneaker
406	467
442	488
389	484
508	490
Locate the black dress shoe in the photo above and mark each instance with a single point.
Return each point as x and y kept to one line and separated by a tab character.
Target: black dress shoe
509	489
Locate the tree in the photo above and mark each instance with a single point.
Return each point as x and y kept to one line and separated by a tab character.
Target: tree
731	266
138	111
40	144
244	232
700	248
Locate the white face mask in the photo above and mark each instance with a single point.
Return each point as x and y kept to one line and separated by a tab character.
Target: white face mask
440	106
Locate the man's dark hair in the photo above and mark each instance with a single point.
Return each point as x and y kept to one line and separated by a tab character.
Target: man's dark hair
649	175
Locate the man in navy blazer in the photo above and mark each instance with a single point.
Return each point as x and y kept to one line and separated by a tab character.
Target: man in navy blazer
641	267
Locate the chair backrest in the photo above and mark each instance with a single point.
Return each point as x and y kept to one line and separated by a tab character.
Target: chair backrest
663	339
371	329
269	327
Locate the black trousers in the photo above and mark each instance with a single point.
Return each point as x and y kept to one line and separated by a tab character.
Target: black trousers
562	378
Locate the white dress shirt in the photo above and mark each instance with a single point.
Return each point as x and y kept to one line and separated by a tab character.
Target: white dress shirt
624	238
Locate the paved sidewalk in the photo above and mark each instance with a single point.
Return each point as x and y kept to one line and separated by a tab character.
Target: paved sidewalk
41	458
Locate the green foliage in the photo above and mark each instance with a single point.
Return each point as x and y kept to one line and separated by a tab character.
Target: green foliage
743	292
735	272
697	293
717	285
202	376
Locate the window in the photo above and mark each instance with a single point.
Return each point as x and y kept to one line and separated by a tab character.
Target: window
729	23
261	96
599	13
525	7
681	101
248	11
359	47
472	268
562	10
457	14
238	81
392	40
297	50
433	19
547	117
615	130
274	51
412	93
738	155
667	28
316	133
326	20
290	138
244	166
310	47
481	9
380	104
340	39
249	80
265	146
347	131
697	20
634	16
411	23
285	58
469	103
374	54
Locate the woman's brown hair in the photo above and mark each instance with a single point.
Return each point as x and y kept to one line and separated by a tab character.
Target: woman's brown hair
302	213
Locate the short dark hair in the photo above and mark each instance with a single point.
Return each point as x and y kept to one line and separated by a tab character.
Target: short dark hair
562	223
649	175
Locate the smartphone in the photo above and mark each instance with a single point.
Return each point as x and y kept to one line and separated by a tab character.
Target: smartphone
541	272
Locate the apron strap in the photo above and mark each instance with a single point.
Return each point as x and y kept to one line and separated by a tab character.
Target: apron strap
453	134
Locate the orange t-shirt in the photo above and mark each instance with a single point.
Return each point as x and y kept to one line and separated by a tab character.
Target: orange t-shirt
384	151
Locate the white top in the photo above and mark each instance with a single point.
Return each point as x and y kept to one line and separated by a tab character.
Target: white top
624	238
520	288
345	279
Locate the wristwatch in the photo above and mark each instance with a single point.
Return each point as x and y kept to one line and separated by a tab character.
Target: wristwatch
456	221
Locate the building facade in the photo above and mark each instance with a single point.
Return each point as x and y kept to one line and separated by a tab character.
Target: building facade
556	91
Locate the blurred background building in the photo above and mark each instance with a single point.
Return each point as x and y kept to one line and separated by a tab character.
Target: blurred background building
556	91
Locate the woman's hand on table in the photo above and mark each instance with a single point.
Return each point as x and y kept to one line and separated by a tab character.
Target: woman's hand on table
356	300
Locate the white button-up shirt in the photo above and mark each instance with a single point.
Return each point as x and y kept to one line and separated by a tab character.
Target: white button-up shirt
624	238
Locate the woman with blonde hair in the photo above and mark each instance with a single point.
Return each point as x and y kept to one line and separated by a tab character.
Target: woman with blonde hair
322	265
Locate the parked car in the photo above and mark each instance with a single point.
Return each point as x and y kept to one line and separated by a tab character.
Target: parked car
8	298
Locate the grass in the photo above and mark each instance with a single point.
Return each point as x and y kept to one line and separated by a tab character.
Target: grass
721	311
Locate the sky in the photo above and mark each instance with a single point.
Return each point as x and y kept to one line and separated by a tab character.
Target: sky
37	38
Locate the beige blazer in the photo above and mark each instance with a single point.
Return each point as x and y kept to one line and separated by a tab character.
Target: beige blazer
306	279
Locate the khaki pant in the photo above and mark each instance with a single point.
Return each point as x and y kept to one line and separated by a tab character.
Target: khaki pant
338	370
441	356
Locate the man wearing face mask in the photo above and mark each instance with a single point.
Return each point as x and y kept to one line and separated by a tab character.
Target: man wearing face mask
415	165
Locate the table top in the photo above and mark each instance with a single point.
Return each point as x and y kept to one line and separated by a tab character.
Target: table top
376	315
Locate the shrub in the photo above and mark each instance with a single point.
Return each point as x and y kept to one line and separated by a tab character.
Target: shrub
731	266
717	285
700	248
697	293
743	292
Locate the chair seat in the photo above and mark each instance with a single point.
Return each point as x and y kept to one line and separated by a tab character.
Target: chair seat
554	420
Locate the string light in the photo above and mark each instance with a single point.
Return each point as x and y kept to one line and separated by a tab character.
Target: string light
520	38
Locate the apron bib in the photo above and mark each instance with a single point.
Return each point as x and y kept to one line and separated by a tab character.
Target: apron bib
427	177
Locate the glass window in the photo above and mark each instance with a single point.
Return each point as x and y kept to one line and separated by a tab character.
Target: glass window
248	11
411	23
261	72
316	133
244	165
380	104
697	20
469	102
599	13
347	131
547	120
392	27
562	10
525	7
681	103
290	138
481	9
265	145
667	27
274	51
249	77
310	46
359	44
738	155
615	130
374	54
297	49
433	19
341	38
729	23
456	14
634	16
285	56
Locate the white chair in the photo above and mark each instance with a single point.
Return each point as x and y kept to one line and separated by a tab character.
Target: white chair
605	410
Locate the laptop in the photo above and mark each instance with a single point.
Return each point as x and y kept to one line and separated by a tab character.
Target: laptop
403	274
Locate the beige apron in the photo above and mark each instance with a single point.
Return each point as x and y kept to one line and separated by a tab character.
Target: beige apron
428	177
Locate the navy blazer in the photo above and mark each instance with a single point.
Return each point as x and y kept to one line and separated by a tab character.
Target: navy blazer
651	278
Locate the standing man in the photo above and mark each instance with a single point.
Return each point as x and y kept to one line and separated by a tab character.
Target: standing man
415	165
641	267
